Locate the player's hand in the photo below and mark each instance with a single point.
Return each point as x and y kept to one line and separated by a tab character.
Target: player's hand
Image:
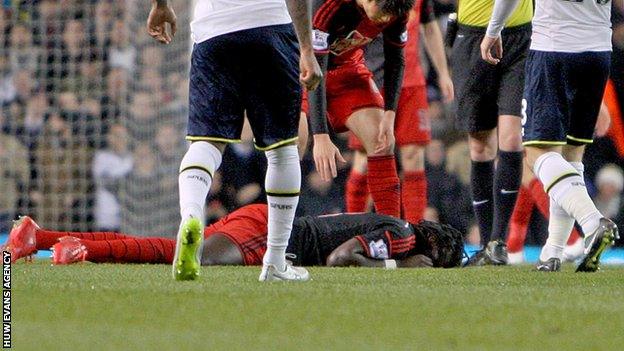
325	155
446	88
311	73
416	261
489	44
385	138
157	21
604	121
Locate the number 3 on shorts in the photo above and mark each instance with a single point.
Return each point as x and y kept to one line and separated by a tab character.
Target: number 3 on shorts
524	114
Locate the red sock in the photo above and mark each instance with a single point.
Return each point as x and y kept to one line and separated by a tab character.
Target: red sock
383	184
356	192
131	250
520	219
414	196
543	204
47	238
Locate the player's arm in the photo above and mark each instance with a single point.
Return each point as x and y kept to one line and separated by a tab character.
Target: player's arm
161	14
351	253
324	151
395	38
301	14
492	38
434	45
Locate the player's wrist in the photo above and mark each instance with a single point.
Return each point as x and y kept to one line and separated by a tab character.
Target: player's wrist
390	264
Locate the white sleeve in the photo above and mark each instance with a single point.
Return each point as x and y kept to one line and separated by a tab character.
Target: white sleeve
502	11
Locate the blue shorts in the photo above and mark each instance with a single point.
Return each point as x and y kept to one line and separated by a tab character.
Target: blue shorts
254	71
562	96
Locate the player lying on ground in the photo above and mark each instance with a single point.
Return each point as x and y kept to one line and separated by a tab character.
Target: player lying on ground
240	238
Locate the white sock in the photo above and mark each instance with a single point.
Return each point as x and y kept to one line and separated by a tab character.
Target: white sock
566	188
560	225
282	184
196	170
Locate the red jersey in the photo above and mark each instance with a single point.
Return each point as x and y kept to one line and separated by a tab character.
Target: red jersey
342	29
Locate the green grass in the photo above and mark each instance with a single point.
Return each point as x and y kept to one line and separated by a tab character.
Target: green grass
140	307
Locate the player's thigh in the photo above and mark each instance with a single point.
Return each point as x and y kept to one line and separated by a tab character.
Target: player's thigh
364	124
350	89
588	78
215	103
476	84
545	106
272	88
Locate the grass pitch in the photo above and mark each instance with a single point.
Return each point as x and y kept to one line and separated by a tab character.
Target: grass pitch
140	307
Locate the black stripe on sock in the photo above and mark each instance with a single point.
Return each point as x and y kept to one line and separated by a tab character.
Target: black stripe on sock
560	179
199	168
283	194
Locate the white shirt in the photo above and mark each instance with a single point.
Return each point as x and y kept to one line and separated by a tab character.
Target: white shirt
572	26
216	17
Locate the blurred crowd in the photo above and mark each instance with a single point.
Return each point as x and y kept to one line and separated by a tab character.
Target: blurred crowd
92	119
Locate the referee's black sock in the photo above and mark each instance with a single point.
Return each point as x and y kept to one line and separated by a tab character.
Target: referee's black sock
507	180
481	183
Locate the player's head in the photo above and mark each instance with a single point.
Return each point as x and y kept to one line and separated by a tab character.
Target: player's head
443	243
385	10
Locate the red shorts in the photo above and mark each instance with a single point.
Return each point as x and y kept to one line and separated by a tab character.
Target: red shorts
247	228
412	124
349	88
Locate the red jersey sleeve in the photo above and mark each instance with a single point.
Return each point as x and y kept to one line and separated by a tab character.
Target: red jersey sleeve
382	244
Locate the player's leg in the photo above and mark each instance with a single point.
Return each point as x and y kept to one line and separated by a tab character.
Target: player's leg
273	104
413	133
562	181
26	237
71	249
414	182
215	118
356	188
382	177
483	148
508	173
476	90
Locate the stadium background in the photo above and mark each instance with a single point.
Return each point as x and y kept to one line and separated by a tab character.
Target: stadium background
92	118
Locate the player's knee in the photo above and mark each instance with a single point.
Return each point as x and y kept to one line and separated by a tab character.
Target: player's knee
285	155
510	141
360	162
202	154
482	146
412	157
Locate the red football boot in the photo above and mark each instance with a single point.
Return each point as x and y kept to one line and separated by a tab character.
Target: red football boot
68	250
22	240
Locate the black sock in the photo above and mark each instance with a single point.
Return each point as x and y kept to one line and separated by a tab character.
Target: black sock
481	183
507	179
